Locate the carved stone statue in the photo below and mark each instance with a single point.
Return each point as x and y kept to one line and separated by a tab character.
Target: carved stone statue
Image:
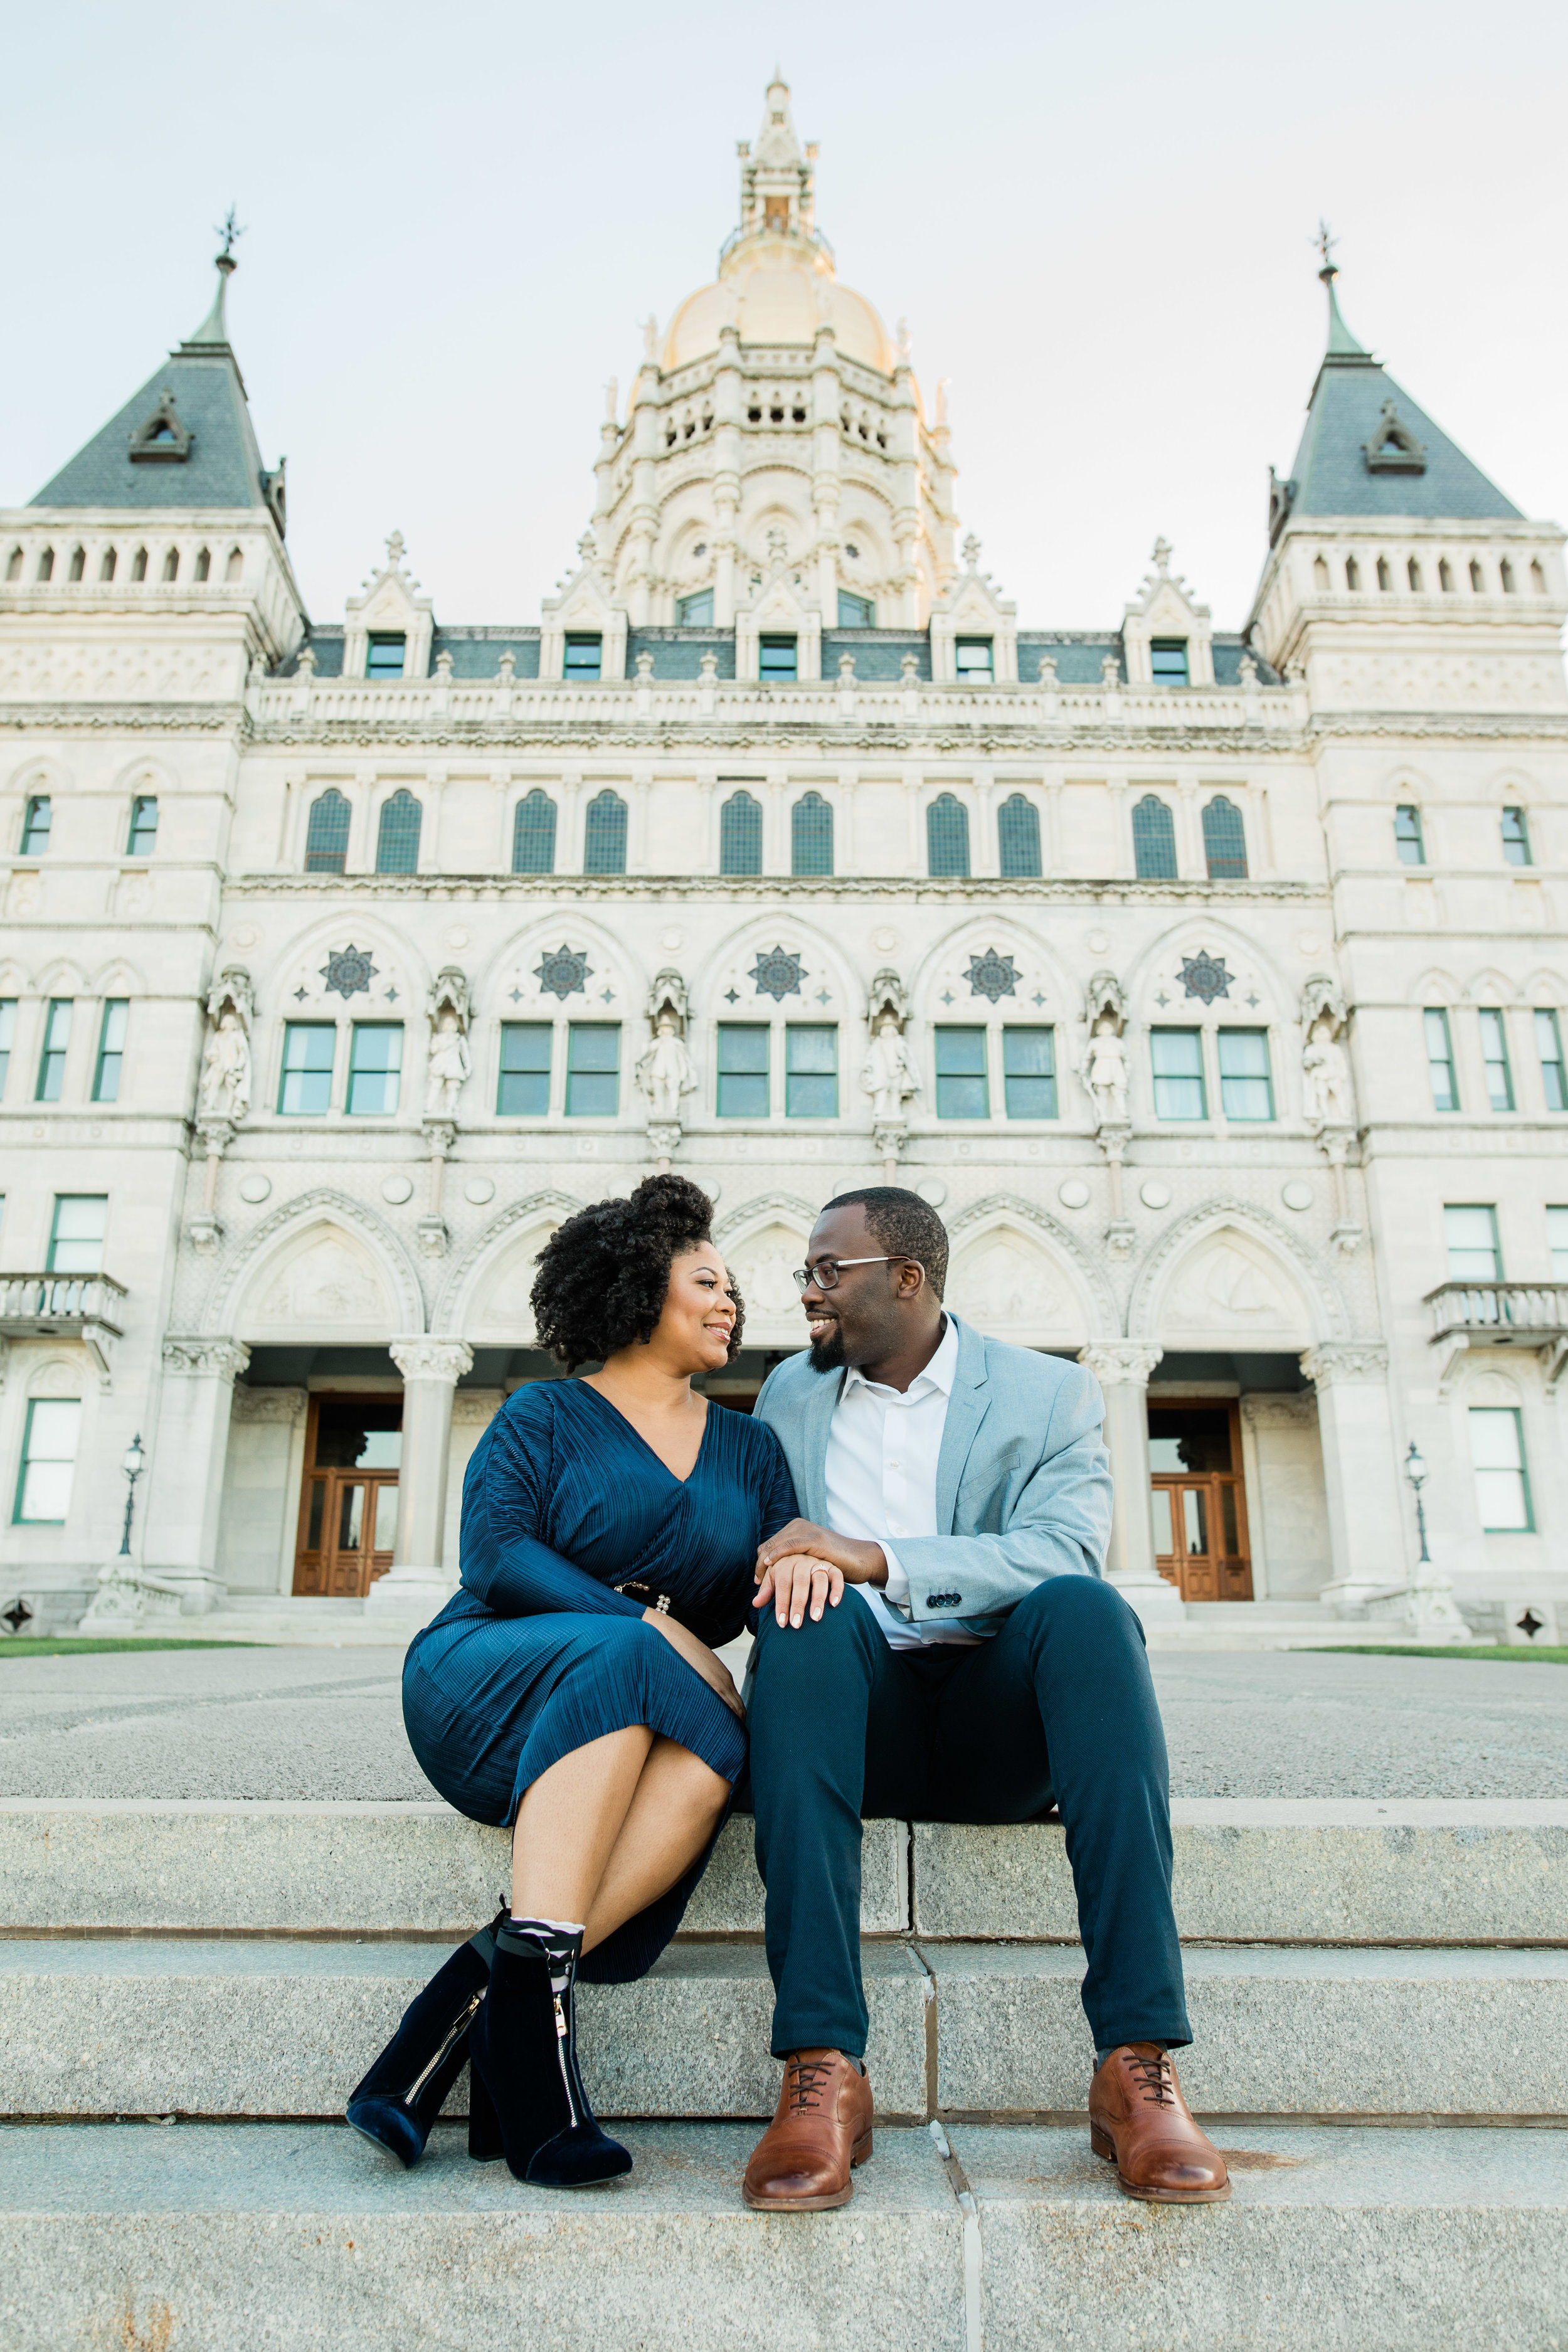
450	1063
887	1074
1326	1076
665	1071
224	1089
1105	1073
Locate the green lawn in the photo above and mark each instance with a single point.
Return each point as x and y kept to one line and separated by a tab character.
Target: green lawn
1508	1653
41	1646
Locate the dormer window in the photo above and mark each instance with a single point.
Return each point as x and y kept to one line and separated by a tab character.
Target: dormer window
384	654
1168	661
777	658
583	656
972	656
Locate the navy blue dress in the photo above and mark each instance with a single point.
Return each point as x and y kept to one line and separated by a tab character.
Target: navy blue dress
539	1653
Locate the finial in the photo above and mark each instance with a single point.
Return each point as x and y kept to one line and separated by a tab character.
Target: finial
1162	555
587	548
228	228
395	547
649	337
1325	244
972	552
903	339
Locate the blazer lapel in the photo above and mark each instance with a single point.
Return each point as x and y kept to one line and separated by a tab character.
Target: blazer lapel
816	1422
966	1409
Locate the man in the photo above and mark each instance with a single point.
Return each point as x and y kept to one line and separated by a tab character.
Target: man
978	1670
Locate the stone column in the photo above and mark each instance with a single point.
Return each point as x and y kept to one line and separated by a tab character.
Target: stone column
416	1580
186	1468
1122	1367
1367	1534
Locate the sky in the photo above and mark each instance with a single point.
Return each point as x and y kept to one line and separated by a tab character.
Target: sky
1098	222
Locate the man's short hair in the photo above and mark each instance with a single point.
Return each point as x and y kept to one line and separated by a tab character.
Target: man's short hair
902	1225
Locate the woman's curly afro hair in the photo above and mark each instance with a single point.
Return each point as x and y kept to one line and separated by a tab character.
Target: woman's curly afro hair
602	1277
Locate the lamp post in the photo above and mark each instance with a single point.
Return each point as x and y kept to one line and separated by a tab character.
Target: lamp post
133	1463
1415	1471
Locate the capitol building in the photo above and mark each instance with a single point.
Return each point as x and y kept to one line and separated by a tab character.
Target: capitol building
1211	981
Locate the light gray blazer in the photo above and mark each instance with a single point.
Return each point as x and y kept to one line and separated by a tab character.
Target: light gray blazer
1023	1484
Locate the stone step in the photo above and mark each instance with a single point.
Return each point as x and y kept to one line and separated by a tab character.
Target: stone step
152	2026
182	2236
1306	1871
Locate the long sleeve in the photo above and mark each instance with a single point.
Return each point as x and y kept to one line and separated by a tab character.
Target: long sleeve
778	1496
1057	1523
505	1563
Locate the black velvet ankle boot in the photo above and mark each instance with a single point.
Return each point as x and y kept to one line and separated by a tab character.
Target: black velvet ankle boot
524	2088
403	2094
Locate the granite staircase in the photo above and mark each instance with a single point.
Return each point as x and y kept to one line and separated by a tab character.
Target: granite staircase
1379	1996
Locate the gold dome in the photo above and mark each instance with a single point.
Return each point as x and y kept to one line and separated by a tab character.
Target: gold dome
777	289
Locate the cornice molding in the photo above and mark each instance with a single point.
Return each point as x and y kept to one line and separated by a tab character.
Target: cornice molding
973	890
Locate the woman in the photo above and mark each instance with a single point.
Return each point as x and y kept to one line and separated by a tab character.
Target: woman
610	1527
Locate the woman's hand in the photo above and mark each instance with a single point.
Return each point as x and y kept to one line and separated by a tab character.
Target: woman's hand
697	1655
796	1581
859	1562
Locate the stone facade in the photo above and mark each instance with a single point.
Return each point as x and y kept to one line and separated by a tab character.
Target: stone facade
778	853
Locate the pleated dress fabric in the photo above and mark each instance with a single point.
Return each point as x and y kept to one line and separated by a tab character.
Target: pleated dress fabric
538	1653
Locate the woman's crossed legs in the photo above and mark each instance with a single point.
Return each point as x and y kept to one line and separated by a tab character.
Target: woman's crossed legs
608	1829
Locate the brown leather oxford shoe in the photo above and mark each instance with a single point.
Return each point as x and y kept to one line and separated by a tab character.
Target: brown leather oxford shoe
1139	2121
821	2129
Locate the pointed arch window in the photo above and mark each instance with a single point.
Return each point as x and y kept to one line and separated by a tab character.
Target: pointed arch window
235	567
533	835
139	564
811	836
740	834
1018	837
47	564
605	835
13	564
1154	840
1477	578
1505	573
1445	575
172	564
327	834
947	837
1352	574
78	563
1224	840
106	570
203	563
398	835
1413	573
1384	576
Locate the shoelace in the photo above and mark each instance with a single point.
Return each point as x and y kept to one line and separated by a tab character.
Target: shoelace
803	2095
1159	2083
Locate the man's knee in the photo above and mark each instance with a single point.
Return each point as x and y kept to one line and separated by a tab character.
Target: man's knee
816	1646
1080	1608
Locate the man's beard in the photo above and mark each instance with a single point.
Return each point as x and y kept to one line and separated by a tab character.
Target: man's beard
827	1355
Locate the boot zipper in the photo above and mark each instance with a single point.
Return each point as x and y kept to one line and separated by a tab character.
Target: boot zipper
460	2027
560	2060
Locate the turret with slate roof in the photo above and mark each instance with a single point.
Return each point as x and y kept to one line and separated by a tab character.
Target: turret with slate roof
1387	540
165	528
185	439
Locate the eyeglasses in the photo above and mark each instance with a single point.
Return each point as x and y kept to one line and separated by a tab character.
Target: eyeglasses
824	1273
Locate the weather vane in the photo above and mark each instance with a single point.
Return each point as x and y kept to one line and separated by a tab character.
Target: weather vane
228	228
1325	244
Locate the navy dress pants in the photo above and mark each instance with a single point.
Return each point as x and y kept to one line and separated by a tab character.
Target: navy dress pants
1059	1708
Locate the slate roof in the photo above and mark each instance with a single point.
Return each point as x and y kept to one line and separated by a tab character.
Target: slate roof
224	468
1330	473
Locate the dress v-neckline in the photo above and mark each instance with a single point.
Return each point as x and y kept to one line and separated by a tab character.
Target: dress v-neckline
625	1423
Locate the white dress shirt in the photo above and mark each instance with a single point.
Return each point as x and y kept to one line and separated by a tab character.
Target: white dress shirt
883	1447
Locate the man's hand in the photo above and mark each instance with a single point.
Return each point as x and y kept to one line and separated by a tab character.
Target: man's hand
805	1566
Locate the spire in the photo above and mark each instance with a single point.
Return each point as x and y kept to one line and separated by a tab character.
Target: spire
1367	449
185	439
213	332
1342	343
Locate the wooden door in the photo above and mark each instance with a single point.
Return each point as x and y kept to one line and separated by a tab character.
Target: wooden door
348	1501
1199	1499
